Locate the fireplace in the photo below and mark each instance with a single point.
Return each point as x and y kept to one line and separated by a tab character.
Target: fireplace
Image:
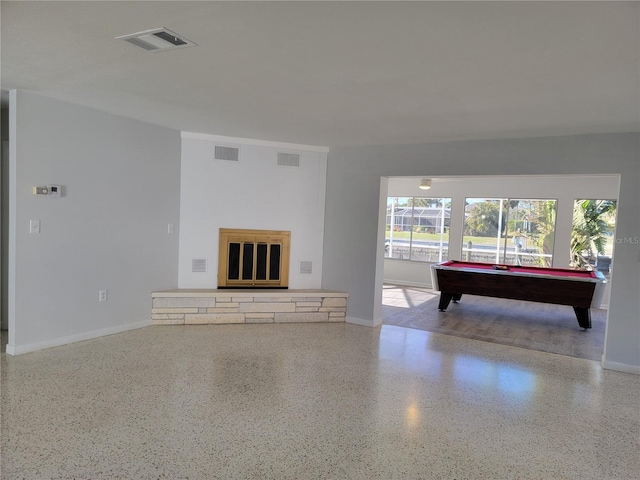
253	258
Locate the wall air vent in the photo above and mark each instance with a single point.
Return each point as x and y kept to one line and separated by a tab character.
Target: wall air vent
306	267
230	154
288	159
157	40
199	265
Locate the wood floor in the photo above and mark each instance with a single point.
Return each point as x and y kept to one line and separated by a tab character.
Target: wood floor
534	326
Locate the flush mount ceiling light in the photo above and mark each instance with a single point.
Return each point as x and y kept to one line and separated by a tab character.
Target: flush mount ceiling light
157	40
425	184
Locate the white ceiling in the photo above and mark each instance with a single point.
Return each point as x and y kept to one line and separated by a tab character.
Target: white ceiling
340	73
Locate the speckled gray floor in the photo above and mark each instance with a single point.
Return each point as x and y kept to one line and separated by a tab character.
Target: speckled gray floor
313	401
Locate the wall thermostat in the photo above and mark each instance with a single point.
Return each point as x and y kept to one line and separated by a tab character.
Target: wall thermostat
48	191
54	191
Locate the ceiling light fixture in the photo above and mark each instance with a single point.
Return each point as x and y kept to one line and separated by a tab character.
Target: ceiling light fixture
425	184
157	40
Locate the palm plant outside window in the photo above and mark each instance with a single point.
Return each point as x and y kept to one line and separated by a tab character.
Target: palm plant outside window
592	234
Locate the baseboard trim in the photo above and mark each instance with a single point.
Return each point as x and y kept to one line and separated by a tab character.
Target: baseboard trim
404	283
363	322
620	367
57	342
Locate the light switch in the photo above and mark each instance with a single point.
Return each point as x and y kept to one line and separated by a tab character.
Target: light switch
34	226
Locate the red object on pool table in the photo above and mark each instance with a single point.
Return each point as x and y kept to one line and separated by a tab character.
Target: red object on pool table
581	289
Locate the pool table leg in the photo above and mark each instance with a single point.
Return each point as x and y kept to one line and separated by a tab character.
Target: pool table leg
584	316
446	297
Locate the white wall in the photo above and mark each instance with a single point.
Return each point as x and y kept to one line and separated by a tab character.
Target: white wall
354	190
253	193
563	188
120	181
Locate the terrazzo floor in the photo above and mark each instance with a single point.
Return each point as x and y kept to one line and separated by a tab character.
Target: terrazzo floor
313	401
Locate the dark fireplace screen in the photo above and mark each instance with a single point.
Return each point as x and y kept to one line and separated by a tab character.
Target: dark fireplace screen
253	258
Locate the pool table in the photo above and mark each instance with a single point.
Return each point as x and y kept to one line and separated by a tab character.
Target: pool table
581	289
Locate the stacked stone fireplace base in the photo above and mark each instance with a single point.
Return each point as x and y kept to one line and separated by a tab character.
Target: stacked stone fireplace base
192	307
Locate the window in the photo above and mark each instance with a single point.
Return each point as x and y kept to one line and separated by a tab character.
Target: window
417	229
592	234
509	231
253	258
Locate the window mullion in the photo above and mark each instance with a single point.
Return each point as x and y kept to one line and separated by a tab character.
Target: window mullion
413	211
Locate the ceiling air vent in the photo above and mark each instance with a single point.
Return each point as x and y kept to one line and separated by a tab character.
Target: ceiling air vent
288	159
226	153
157	40
199	265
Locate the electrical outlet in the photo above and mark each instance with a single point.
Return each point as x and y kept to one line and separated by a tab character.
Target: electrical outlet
102	295
171	228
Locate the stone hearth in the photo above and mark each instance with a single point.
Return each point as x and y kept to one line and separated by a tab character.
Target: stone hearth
199	306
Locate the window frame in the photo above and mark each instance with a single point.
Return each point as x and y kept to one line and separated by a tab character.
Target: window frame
504	222
442	251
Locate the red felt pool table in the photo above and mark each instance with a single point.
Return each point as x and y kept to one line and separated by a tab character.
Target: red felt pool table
581	289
